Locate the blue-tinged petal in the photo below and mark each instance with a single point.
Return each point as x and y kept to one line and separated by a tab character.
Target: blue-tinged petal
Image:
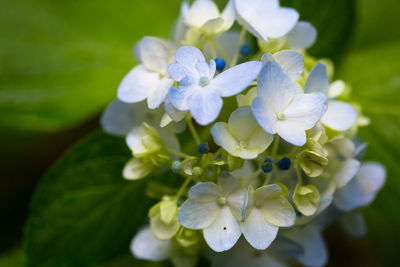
228	15
264	114
257	231
227	183
205	104
291	61
237	78
291	132
346	172
145	246
354	224
278	23
188	56
318	80
204	192
224	232
179	96
136	84
202	11
276	86
339	116
155	54
157	96
198	215
302	36
175	114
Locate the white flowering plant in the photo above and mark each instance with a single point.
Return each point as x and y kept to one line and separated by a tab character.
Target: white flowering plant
273	156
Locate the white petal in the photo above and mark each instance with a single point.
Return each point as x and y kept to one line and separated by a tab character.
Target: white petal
354	224
278	23
237	78
339	116
154	54
136	84
224	232
120	117
188	56
291	61
227	183
276	86
175	114
291	132
336	89
264	114
205	105
361	190
257	231
204	192
302	36
242	124
169	138
228	15
179	96
237	202
223	137
268	191
306	109
157	96
347	171
202	11
318	80
259	141
197	215
279	212
136	168
145	246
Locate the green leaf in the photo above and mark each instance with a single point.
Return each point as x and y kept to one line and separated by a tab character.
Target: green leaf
334	21
130	261
14	258
83	212
62	61
374	74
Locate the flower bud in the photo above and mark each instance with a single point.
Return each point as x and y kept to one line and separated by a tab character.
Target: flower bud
164	222
306	198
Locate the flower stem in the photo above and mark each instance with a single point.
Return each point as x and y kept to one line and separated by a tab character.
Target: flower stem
299	177
178	153
193	130
275	146
239	44
182	188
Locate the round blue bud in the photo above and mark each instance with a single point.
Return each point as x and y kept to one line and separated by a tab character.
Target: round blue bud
245	50
298	213
203	148
176	166
284	163
267	165
220	63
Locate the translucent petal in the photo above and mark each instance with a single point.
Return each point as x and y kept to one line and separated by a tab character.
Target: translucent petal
227	183
278	23
318	80
257	231
339	116
264	114
291	132
237	78
242	124
302	36
188	56
204	192
136	168
347	171
205	105
276	86
179	96
291	61
223	137
224	232
145	246
279	212
306	110
202	11
154	54
175	114
228	15
198	215
237	202
136	84
157	96
268	191
162	230
336	89
259	141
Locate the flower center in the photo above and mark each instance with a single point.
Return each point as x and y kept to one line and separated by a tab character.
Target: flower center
204	80
222	201
280	116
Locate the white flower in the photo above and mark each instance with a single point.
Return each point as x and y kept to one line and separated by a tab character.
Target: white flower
267	211
340	116
290	61
265	18
199	91
204	16
215	209
150	79
241	136
362	189
302	36
281	108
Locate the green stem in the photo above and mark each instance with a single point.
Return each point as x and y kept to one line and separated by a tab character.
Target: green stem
178	153
212	46
240	42
193	130
182	189
275	146
299	177
221	51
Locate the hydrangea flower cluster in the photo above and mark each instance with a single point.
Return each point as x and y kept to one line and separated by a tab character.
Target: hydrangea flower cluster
272	157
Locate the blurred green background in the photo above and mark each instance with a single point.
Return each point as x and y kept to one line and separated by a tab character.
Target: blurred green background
60	64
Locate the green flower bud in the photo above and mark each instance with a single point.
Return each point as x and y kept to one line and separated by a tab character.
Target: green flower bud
312	163
187	237
234	163
197	171
144	141
137	168
163	219
306	198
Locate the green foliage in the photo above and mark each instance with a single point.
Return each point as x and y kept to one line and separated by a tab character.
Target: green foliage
14	258
61	61
83	212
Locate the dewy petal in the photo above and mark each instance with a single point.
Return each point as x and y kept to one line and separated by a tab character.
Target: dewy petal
339	116
306	109
223	137
136	84
228	15
318	80
157	96
198	215
204	192
346	172
264	114
205	105
179	96
302	36
362	189
291	132
223	234
291	61
279	212
202	11
276	86
154	54
145	246
257	231
188	56
237	78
